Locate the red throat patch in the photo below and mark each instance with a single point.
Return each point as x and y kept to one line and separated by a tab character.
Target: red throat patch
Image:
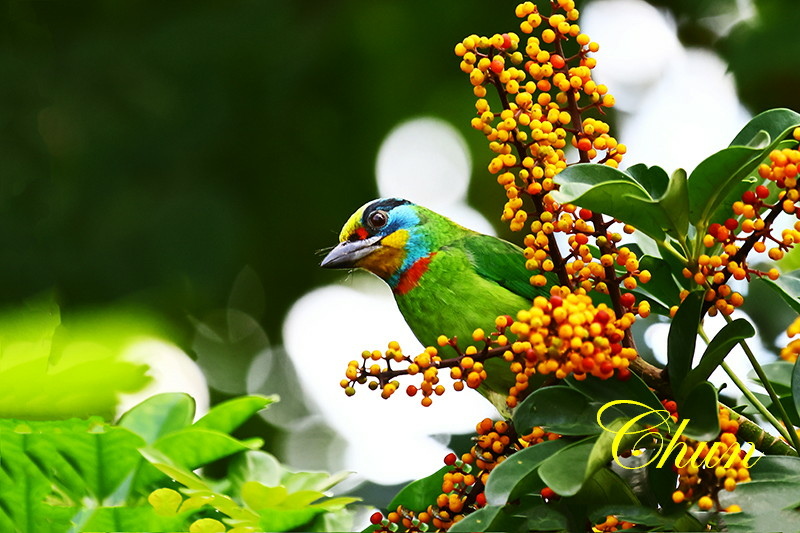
411	277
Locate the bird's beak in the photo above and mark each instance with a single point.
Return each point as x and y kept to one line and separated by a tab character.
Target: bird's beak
348	253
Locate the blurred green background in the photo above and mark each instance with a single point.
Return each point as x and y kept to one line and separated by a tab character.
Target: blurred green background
151	152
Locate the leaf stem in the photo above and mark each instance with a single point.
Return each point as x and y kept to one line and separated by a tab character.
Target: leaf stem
793	437
752	398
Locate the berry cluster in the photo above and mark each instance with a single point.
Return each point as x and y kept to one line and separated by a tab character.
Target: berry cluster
607	270
711	467
463	484
751	228
566	334
542	93
791	350
561	335
369	371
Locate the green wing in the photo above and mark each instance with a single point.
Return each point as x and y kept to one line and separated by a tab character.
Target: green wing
502	262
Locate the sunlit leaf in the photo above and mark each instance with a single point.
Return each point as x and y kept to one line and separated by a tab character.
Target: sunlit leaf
229	415
159	415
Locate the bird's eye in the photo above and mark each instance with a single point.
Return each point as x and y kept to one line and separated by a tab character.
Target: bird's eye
378	219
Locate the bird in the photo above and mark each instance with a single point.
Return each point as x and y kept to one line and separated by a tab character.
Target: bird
446	279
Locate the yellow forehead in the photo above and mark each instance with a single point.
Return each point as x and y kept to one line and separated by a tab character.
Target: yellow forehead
352	224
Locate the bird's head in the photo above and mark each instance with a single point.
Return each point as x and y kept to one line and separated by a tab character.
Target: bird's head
383	236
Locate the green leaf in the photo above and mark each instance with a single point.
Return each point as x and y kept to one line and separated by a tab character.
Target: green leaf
567	469
560	409
195	447
512	476
774	122
188	448
131	518
254	465
654	179
159	415
674	204
418	494
700	407
47	466
605	487
544	517
771	501
611	191
682	338
788	287
712	180
716	351
779	374
632	390
258	496
229	415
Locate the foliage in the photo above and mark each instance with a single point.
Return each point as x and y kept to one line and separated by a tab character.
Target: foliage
89	475
74	368
608	441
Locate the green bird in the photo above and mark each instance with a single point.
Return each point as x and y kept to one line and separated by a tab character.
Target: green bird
446	279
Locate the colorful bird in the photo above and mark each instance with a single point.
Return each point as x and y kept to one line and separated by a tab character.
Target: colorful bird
446	279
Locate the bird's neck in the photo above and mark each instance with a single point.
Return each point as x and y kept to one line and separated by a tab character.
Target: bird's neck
406	280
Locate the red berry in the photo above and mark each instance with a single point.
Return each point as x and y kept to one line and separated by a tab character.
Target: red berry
606	367
602	317
506	42
548	493
670	406
497	66
623	374
731	224
749	197
556	300
581	238
450	459
411	390
376	518
480	499
585	214
713	229
557	61
627	299
588	364
762	191
615	348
